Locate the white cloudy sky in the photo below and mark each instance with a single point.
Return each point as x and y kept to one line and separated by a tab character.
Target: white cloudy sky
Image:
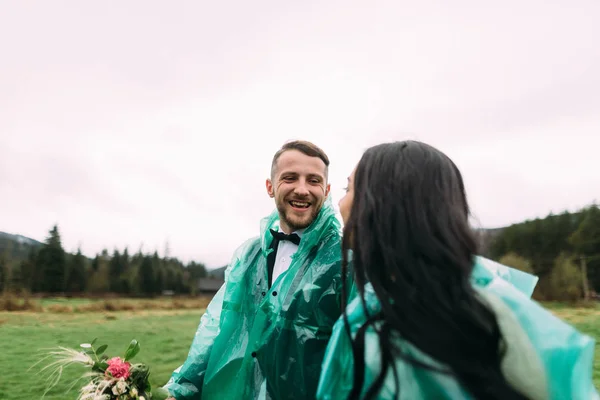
131	122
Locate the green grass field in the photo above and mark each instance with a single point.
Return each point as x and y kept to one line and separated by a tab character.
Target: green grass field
164	336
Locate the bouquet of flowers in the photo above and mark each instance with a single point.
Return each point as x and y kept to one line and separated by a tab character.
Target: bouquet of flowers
108	378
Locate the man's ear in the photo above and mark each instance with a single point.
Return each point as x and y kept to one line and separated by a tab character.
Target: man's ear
269	186
327	189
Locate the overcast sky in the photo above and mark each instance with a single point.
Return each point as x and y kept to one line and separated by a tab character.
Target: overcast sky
133	122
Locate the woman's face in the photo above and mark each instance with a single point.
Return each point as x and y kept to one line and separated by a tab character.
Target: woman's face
346	201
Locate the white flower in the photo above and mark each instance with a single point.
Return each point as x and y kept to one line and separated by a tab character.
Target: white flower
122	385
120	388
142	398
134	392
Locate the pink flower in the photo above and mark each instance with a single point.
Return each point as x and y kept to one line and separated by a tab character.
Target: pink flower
118	368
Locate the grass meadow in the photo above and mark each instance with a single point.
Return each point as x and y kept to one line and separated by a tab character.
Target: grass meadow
164	328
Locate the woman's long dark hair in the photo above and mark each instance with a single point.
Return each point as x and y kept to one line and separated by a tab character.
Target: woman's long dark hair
411	240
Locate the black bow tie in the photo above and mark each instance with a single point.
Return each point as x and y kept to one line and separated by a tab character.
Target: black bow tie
294	238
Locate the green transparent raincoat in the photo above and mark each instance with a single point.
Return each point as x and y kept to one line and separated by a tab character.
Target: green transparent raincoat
260	342
546	358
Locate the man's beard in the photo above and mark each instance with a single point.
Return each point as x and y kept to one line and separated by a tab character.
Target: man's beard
294	223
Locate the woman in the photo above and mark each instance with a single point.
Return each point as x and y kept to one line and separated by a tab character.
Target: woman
429	321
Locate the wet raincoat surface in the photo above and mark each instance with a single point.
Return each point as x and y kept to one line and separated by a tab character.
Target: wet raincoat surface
546	358
259	342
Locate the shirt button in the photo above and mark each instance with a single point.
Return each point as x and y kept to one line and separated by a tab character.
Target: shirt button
274	293
282	259
263	294
253	354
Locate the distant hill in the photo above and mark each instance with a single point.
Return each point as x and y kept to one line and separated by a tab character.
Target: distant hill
20	239
17	247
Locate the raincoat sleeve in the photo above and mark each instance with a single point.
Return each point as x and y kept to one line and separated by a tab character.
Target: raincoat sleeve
186	381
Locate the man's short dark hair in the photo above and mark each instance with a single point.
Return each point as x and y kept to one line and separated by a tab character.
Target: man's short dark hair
303	146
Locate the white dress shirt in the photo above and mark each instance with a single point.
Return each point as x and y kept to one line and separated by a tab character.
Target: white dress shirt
285	251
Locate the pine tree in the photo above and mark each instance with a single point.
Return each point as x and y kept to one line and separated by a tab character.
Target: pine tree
115	271
147	276
52	264
586	243
30	279
158	273
77	276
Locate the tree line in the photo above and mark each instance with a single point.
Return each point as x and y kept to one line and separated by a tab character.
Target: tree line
50	269
563	250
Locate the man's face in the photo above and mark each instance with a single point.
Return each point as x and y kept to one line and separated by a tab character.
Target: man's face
299	187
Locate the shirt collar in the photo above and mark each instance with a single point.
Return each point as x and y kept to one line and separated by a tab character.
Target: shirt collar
299	232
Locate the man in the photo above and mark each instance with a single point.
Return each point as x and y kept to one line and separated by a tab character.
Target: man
265	332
